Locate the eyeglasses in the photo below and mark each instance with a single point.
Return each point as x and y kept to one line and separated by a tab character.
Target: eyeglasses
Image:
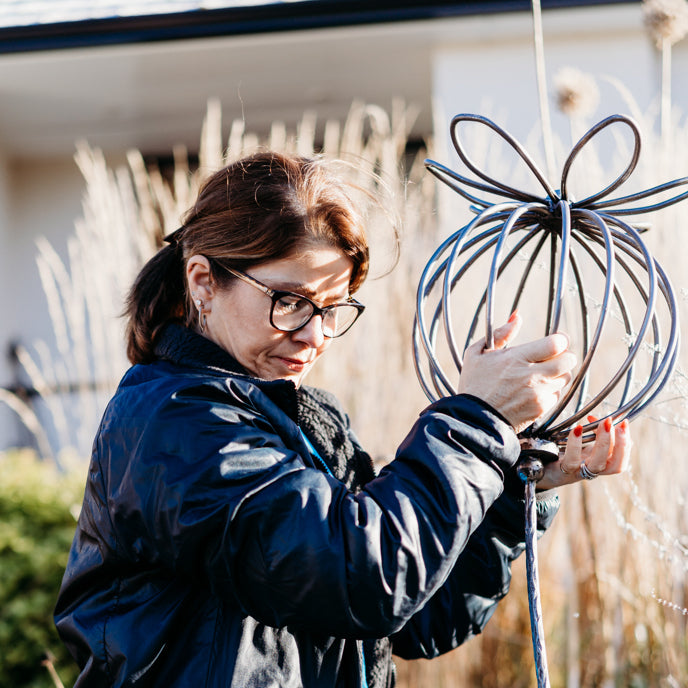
290	312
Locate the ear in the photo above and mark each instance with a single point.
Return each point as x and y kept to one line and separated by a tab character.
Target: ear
198	278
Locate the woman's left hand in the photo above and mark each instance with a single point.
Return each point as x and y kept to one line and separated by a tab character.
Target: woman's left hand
609	454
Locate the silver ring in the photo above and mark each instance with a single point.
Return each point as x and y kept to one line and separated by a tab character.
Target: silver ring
563	470
586	473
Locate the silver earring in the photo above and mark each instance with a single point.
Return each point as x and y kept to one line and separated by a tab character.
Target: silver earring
201	314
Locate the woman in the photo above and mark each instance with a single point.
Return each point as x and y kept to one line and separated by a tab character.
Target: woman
233	531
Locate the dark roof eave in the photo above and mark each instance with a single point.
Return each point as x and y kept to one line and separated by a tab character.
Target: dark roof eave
290	16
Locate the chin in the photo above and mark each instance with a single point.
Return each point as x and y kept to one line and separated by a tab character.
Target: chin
296	378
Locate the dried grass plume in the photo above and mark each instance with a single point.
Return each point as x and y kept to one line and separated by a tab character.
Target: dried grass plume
666	20
576	92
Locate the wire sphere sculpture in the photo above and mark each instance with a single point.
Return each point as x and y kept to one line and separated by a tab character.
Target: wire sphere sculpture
569	263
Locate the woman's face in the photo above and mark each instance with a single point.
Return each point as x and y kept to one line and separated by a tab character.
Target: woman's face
238	317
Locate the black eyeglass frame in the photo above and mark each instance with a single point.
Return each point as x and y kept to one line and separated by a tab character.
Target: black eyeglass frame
275	295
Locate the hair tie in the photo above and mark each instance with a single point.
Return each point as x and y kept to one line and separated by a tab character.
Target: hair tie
175	237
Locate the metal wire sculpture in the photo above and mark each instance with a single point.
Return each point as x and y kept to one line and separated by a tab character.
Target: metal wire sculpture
585	246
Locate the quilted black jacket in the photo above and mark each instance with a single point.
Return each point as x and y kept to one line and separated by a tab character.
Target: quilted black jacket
214	550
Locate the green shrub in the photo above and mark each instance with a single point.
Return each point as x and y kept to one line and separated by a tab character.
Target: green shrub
37	507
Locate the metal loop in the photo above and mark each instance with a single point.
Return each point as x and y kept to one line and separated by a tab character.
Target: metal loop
600	126
505	190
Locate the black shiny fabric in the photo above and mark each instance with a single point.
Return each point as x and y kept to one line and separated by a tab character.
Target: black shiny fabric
212	551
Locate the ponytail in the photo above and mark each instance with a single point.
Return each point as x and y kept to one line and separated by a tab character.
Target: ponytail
156	298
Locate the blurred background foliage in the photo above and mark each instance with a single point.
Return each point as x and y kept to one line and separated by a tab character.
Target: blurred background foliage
38	506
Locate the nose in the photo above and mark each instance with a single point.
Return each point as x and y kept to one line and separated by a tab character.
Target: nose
311	333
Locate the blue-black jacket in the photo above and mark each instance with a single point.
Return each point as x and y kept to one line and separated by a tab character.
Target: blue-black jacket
212	550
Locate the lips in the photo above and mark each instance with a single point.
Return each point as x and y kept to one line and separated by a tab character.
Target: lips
295	362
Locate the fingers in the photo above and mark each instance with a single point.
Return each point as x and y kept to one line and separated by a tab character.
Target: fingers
559	366
546	348
549	357
603	447
507	333
545	392
570	462
536	351
619	456
608	455
502	336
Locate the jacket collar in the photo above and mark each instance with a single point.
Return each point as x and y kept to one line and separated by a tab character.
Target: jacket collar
184	347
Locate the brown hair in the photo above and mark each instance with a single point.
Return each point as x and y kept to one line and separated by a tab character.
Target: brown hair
257	209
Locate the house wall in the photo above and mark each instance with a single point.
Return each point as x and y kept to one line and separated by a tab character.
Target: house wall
10	431
38	198
491	64
5	259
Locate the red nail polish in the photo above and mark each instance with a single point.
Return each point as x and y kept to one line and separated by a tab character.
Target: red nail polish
607	424
578	430
624	426
592	419
512	317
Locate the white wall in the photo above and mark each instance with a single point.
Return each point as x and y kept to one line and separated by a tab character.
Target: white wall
41	198
5	255
45	201
10	431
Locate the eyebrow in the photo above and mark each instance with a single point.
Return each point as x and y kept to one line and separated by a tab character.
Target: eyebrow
302	290
297	287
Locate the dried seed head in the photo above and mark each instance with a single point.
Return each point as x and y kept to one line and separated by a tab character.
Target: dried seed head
666	20
576	92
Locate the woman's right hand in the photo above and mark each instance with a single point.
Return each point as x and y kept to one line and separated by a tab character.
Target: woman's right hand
521	382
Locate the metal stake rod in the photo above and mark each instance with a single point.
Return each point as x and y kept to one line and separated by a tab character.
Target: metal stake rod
537	628
530	470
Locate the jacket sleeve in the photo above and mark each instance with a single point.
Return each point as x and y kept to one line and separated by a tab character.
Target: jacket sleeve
299	549
481	577
218	491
